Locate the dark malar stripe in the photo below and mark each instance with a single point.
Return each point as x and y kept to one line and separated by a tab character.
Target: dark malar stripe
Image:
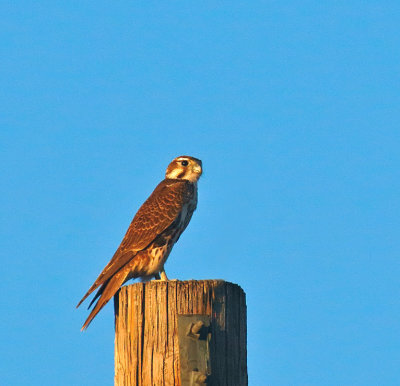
181	174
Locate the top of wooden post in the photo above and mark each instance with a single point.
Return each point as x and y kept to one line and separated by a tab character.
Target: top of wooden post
146	331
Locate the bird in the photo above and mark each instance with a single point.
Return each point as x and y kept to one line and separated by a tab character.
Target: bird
154	230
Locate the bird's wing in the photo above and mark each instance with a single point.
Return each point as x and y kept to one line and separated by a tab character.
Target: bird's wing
157	213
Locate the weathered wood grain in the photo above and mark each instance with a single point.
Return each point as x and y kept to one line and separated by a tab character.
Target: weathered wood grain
146	332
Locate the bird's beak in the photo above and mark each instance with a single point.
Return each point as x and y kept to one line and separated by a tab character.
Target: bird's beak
197	169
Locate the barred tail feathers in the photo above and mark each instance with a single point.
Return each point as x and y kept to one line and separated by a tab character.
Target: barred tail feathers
105	293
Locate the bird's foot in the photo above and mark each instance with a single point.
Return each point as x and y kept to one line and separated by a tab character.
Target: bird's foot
165	281
162	276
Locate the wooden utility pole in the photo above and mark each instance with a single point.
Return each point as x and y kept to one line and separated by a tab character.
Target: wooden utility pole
180	333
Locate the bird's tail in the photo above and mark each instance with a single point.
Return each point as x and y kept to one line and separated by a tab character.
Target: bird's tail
91	289
105	293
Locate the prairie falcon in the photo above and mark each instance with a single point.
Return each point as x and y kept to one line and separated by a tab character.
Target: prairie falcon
152	233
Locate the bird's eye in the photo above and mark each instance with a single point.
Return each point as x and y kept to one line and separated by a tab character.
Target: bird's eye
184	163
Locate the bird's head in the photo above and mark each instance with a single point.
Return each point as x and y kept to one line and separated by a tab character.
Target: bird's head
185	168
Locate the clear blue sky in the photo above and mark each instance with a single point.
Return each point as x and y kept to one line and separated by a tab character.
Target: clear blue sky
293	108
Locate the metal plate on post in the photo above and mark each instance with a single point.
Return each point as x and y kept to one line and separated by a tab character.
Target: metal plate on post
194	336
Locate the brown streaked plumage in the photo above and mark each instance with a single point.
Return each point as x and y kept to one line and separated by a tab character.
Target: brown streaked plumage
152	233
